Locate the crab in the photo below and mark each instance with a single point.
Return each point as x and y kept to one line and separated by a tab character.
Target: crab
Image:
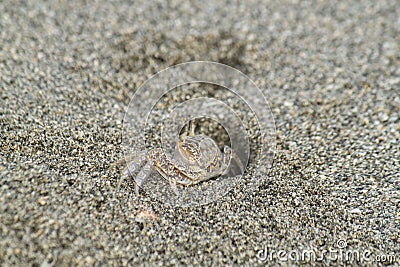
196	158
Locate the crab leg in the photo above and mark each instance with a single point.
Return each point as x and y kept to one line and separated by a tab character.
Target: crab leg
169	177
143	175
174	187
133	166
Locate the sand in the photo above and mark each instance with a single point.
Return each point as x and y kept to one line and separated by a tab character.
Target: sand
331	74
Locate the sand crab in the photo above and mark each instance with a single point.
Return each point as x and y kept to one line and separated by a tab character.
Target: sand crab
196	158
